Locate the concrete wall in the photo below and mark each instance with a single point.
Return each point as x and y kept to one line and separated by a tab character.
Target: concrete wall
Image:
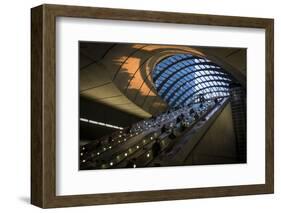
218	145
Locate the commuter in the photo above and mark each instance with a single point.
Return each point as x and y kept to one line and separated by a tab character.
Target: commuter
163	129
128	130
156	148
196	116
191	111
179	119
172	135
183	125
201	98
182	116
216	100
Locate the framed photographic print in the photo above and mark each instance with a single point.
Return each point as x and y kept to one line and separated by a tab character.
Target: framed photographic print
136	106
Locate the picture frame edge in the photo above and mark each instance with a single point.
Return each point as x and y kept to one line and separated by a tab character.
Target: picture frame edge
43	174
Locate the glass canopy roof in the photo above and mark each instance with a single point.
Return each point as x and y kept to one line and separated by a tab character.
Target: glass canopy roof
180	79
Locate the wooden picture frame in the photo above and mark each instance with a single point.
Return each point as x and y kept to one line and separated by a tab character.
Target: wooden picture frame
43	105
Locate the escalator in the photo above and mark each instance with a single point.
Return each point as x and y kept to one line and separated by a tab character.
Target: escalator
148	144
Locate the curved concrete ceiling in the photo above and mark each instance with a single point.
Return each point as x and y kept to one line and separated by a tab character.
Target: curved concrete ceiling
120	75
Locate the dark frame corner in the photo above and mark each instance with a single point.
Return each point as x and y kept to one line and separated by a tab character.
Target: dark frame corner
43	131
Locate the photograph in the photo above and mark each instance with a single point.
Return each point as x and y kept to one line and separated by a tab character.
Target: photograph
143	105
160	105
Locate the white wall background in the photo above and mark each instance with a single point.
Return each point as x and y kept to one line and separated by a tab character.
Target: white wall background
15	105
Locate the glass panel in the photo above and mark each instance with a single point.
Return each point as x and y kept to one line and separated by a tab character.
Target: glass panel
180	76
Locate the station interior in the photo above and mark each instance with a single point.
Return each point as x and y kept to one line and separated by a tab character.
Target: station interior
152	105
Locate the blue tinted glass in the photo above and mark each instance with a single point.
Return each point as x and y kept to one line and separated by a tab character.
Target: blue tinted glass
181	77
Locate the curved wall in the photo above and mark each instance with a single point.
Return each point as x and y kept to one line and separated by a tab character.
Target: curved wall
120	75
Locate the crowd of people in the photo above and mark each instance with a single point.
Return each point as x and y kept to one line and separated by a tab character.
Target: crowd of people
167	123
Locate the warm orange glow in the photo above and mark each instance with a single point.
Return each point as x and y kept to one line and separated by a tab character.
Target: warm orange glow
131	66
138	83
134	68
136	71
